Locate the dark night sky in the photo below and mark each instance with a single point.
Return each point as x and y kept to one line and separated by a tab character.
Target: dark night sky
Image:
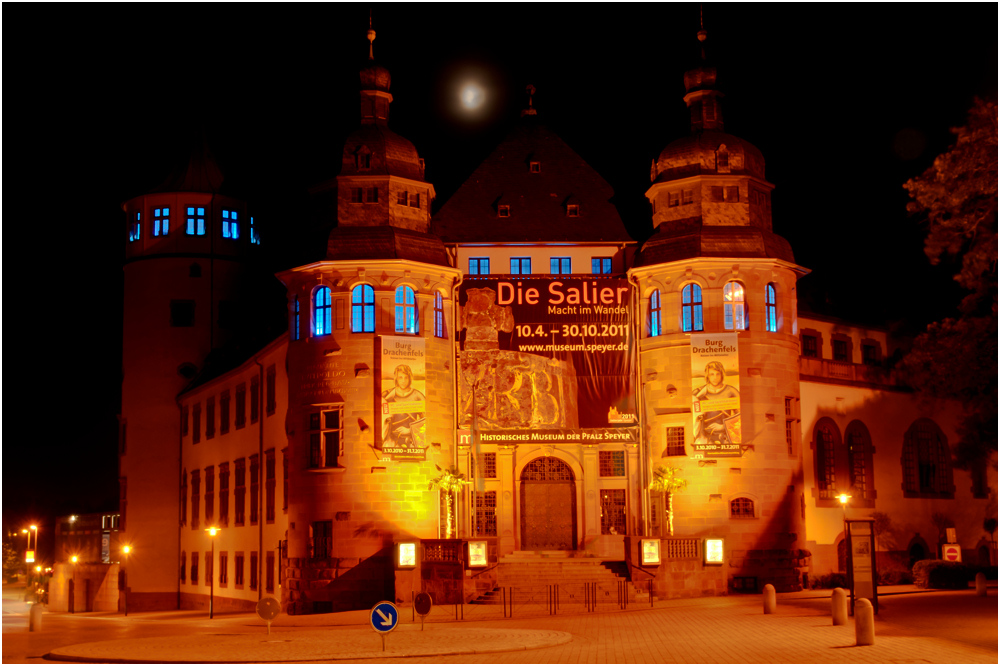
845	101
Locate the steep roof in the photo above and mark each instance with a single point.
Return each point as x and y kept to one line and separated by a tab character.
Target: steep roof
385	242
538	200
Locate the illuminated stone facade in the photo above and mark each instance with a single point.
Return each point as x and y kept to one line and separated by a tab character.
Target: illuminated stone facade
315	454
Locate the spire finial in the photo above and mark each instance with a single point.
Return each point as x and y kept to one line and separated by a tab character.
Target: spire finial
371	37
530	111
702	33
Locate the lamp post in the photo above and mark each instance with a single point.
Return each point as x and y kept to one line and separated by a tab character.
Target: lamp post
29	555
125	551
72	585
212	531
844	498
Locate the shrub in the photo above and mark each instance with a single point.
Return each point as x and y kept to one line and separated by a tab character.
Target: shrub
829	581
939	574
895	577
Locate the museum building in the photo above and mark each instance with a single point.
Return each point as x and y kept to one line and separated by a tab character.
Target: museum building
464	395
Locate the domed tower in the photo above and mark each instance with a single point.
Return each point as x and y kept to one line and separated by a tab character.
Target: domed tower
719	350
370	373
188	253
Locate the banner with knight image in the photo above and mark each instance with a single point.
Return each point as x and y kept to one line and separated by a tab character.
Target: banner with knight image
403	405
715	388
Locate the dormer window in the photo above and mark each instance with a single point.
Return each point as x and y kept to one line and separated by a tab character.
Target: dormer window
535	167
363	159
357	195
415	200
673	199
401	198
161	221
195	221
503	210
230	224
573	210
371	195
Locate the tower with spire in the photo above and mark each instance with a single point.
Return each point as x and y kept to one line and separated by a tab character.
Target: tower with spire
715	267
382	298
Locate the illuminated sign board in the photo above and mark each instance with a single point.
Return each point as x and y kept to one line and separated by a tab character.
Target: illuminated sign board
406	555
650	552
951	552
714	551
402	418
715	400
29	556
477	554
550	357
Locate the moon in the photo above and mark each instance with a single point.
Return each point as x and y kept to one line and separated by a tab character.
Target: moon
472	96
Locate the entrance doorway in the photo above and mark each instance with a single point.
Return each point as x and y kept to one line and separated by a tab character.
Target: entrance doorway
548	505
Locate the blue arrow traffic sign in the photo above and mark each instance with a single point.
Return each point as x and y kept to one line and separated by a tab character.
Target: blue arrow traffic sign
384	617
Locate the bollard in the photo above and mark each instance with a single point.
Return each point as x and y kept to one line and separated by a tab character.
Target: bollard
864	622
35	617
980	584
770	601
838	606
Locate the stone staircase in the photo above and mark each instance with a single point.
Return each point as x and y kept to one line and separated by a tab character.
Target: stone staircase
568	569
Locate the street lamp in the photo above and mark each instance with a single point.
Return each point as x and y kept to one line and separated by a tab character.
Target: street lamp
844	498
212	531
29	555
125	551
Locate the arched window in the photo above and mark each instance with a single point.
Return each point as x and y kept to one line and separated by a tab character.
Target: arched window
294	328
926	462
741	507
406	310
770	308
322	321
734	300
859	461
826	439
438	315
655	314
183	567
363	309
691	319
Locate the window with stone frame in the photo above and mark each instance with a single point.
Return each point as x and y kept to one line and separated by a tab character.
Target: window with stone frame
407	320
870	354
611	463
741	507
196	423
223	569
223	494
691	308
210	495
209	565
195	498
322	312
438	315
254	489
675	441
840	350
325	429
321	539
240	492
655	314
734	306
790	424
479	265
270	481
613	511
520	265
210	417
224	401
859	463
810	346
183	572
254	568
927	470
254	399
241	406
194	568
770	308
826	441
184	496
239	564
486	513
363	309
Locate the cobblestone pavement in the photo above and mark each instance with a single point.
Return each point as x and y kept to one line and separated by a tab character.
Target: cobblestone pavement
927	627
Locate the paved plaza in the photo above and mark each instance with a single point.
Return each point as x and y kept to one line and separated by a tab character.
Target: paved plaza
911	627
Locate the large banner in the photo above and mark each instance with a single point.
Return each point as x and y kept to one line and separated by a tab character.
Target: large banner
403	407
547	353
715	405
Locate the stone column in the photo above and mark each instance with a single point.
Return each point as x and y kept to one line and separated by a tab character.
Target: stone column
506	527
591	527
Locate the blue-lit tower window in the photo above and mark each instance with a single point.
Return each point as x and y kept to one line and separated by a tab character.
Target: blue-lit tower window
771	307
296	318
254	234
322	312
600	265
734	304
230	224
195	225
363	309
135	227
161	221
520	265
691	319
406	310
479	265
655	314
438	315
560	265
